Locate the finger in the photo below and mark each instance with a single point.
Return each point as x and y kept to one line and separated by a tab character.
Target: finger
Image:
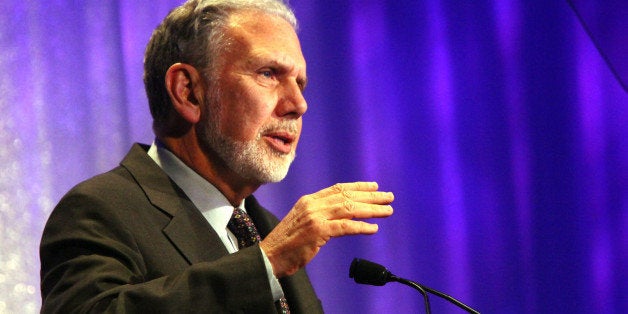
350	210
343	227
371	197
351	186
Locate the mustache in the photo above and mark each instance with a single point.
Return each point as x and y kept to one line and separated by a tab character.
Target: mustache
290	126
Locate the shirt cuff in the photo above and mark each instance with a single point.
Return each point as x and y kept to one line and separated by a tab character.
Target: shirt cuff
275	287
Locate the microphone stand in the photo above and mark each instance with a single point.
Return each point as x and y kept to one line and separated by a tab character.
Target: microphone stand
423	289
416	286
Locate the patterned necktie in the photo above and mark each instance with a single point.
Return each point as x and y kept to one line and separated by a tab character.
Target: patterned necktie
243	228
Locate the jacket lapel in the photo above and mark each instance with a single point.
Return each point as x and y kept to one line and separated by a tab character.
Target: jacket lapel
188	230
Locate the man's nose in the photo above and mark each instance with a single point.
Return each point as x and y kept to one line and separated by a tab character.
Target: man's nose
291	102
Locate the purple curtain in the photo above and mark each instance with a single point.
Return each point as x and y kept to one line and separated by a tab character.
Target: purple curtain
499	126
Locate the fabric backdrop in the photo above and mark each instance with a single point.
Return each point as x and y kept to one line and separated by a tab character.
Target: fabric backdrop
498	125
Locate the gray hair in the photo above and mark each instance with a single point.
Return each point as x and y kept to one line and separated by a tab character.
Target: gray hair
194	33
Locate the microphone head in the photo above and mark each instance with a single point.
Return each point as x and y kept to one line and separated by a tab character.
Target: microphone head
366	272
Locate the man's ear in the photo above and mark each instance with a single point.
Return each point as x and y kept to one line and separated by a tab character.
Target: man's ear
184	84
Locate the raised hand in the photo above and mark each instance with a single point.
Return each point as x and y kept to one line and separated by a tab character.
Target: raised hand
318	217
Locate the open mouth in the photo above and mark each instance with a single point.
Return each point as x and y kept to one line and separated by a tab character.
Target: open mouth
280	141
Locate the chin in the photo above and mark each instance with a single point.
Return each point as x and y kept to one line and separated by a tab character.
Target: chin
273	169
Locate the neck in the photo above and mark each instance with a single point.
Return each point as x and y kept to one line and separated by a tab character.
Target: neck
211	168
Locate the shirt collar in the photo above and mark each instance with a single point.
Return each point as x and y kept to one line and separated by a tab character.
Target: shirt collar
206	197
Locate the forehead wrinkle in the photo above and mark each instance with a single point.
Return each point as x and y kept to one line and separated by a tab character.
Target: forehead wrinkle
277	59
244	32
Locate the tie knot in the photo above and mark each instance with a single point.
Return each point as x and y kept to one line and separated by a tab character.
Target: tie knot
243	228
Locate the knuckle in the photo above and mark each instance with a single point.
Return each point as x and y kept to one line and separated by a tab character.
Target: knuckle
348	206
344	226
347	195
337	188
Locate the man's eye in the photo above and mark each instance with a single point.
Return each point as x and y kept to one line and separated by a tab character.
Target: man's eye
267	73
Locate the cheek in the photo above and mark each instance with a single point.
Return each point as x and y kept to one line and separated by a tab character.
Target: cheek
246	113
257	105
247	106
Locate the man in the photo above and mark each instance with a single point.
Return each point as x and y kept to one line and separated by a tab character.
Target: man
224	81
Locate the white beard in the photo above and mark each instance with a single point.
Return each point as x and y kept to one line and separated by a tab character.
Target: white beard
252	160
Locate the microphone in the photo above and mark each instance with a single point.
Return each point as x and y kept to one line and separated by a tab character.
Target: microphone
367	272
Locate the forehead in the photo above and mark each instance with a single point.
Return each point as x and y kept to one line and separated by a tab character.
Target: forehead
258	33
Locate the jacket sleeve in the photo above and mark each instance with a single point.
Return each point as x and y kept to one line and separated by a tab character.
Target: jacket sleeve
91	262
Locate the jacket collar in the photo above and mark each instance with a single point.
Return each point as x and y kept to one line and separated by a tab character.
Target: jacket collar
188	230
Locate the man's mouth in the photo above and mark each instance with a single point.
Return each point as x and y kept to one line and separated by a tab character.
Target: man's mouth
280	141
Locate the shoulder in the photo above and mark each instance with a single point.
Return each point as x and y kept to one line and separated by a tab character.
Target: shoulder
105	197
105	188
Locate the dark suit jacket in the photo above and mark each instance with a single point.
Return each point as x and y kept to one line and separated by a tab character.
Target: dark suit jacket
129	240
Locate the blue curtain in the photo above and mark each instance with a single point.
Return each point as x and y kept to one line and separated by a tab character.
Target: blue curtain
498	125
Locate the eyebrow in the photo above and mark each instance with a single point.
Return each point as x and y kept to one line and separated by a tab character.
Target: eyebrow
259	59
302	82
